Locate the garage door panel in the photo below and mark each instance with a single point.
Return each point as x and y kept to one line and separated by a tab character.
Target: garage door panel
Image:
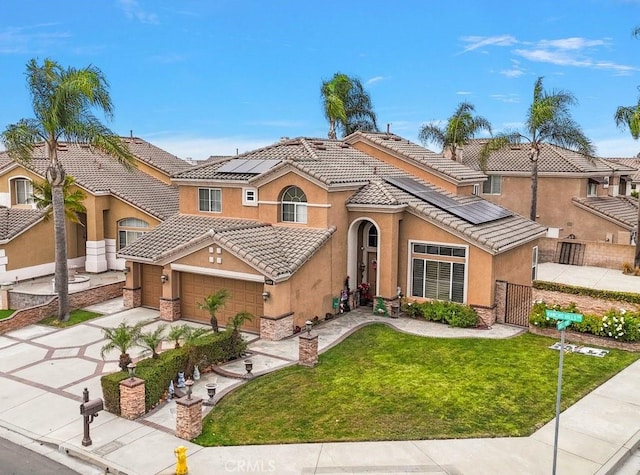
244	297
151	286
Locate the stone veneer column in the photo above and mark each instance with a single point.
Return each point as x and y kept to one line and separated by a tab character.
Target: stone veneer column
131	298
276	328
188	417
170	310
308	350
501	301
132	392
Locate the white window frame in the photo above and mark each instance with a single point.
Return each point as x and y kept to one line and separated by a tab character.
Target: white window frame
28	193
493	185
476	189
296	209
130	229
534	263
250	197
442	260
592	188
213	205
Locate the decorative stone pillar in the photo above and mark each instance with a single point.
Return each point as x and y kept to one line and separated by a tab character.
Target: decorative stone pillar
170	309
308	350
501	301
188	417
132	392
276	328
132	298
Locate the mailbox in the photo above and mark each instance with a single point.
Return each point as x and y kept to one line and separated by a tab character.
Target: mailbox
91	408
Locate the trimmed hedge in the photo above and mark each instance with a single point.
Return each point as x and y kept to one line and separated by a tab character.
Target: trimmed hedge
451	313
596	293
157	373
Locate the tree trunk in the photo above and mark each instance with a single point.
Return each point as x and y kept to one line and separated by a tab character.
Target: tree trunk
534	186
332	129
214	323
55	176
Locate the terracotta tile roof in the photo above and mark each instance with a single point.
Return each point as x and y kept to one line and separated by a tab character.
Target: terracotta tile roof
630	163
495	236
414	152
622	210
330	161
553	160
154	156
101	174
276	251
15	220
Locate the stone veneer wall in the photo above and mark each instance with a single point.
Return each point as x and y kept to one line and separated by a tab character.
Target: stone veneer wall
276	328
584	303
132	395
501	301
486	315
308	350
188	417
132	298
585	338
27	316
170	309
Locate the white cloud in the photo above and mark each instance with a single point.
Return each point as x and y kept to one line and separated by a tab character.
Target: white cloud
201	148
463	93
511	98
617	147
133	11
475	42
574	43
29	39
374	80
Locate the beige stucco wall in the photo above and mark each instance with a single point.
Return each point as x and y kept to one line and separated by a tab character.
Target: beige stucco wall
154	172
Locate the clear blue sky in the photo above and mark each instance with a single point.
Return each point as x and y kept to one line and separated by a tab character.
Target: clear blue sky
201	78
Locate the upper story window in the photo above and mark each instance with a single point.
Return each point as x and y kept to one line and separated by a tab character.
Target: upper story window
22	191
210	200
130	229
249	197
294	205
493	185
592	188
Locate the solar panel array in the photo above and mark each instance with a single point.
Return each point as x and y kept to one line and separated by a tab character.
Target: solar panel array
243	165
476	212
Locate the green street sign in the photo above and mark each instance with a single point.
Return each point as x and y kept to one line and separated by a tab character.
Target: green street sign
562	324
565	316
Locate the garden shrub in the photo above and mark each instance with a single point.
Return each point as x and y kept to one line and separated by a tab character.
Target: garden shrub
629	297
451	313
157	373
462	316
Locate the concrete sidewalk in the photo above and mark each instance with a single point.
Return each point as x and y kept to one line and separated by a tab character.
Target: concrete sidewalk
43	371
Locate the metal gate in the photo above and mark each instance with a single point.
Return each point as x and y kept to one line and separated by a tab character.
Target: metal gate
570	253
518	305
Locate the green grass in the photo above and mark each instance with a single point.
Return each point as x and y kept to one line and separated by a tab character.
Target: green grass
6	314
75	317
383	385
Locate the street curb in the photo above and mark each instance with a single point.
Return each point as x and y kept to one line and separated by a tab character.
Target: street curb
621	456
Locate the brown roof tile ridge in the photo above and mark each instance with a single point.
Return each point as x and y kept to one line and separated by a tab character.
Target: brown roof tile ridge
154	212
311	250
383	187
309	148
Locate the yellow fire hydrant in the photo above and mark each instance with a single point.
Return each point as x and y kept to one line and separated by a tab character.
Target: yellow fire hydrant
181	463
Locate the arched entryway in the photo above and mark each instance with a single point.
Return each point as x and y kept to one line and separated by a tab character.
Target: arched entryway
363	256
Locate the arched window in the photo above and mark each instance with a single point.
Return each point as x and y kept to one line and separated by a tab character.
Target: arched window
372	236
294	205
22	191
130	229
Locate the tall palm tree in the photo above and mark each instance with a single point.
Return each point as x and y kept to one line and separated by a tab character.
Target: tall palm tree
548	122
73	200
461	127
63	100
347	106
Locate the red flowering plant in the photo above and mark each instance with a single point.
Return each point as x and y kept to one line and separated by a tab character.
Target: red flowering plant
364	288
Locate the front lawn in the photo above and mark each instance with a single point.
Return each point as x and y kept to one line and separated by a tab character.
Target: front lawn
75	317
6	314
380	384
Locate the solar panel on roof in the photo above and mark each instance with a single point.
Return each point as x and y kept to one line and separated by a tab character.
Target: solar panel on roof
244	165
476	212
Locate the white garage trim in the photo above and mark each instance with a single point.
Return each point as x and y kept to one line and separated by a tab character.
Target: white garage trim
218	272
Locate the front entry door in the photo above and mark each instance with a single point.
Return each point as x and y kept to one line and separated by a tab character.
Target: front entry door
372	270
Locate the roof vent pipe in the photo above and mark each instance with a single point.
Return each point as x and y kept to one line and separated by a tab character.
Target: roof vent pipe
388	128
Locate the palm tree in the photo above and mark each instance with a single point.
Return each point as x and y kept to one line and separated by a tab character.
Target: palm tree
347	106
212	303
548	122
236	323
123	337
176	334
150	341
461	127
62	101
73	200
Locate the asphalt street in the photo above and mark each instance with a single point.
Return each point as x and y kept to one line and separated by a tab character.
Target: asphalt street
17	460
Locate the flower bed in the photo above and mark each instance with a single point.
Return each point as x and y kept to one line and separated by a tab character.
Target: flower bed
451	313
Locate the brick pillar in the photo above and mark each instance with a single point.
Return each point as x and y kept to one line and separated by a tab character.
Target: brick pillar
132	298
308	350
132	394
170	309
501	301
188	417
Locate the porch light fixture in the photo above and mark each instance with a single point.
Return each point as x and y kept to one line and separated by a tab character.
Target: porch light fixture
188	383
126	270
265	295
308	325
248	365
164	278
132	370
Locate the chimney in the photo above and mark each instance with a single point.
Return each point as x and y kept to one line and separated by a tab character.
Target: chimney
388	128
131	133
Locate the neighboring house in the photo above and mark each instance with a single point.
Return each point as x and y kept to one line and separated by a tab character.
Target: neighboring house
121	206
282	227
633	182
577	198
